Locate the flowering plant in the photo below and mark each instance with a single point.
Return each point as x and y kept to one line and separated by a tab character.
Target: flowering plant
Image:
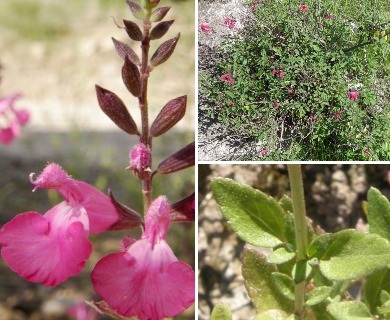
144	279
309	60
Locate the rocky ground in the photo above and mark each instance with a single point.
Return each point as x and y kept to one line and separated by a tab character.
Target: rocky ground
215	141
334	195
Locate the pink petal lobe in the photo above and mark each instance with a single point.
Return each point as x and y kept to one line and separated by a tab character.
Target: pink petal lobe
157	220
145	281
49	248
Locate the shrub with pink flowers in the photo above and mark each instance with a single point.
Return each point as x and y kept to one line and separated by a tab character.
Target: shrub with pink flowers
310	81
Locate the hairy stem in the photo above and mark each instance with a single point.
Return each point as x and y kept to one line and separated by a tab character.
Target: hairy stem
143	105
300	224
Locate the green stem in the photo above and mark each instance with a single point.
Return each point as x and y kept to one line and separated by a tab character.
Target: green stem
300	224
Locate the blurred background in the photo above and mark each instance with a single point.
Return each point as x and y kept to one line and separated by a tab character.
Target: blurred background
334	196
54	52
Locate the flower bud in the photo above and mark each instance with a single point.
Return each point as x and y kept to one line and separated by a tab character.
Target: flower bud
183	210
140	161
182	159
171	114
133	30
131	77
136	9
116	110
159	14
124	50
164	51
160	29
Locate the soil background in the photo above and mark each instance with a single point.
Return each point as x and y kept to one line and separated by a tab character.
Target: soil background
334	194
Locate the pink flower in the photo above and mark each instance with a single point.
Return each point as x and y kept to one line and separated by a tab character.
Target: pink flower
146	279
206	28
276	106
11	119
337	116
229	22
352	95
291	90
275	71
232	103
312	118
281	74
330	17
140	160
303	7
227	77
53	247
263	152
367	152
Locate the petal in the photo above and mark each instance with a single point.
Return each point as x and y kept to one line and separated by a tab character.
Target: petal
40	249
146	282
157	220
101	212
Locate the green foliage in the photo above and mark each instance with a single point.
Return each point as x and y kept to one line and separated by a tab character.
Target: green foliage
332	262
292	71
221	312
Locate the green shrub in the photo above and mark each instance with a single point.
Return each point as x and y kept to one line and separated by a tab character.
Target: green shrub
295	69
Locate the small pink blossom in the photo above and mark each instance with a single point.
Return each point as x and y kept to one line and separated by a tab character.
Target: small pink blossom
275	71
367	152
330	17
303	7
53	247
352	95
146	279
312	118
276	106
140	160
232	103
229	22
291	90
227	77
337	116
11	119
263	152
206	28
281	74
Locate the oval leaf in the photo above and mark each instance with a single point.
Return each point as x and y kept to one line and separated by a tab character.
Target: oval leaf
349	310
318	295
133	30
261	288
183	210
159	14
353	254
160	29
131	77
284	284
124	50
253	215
280	255
181	159
378	213
221	312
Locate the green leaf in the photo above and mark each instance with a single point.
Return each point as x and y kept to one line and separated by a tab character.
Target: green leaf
373	287
378	213
259	284
280	255
286	203
272	315
253	215
301	271
349	310
319	246
353	254
318	295
284	284
221	312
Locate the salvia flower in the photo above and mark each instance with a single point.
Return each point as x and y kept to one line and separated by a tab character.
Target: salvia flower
337	116
140	160
352	95
367	152
330	17
227	77
146	279
53	247
275	71
276	106
303	7
11	119
312	118
263	152
281	74
229	22
205	28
